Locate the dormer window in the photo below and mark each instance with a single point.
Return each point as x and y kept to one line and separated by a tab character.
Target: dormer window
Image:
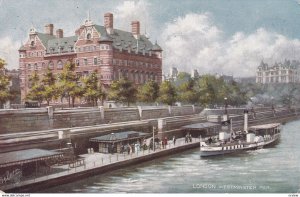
88	36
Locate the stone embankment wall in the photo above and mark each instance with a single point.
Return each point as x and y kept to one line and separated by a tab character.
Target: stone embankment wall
22	120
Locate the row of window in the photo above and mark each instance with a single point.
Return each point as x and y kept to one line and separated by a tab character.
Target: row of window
93	48
133	63
43	65
32	54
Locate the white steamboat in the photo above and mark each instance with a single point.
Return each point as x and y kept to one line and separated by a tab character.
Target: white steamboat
234	142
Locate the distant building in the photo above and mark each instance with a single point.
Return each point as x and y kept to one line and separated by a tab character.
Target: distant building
173	72
112	52
226	78
195	73
287	72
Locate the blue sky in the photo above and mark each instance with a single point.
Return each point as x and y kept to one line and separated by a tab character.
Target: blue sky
215	36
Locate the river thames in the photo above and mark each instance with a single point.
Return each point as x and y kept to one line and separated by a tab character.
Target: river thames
269	170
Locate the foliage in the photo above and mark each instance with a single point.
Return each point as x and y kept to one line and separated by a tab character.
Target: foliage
36	89
92	90
123	91
5	94
50	88
148	92
69	85
167	93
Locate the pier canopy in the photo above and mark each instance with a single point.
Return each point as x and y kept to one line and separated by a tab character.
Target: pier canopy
21	157
115	142
204	129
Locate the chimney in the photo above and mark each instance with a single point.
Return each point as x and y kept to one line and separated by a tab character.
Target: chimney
109	22
246	120
135	26
59	33
49	29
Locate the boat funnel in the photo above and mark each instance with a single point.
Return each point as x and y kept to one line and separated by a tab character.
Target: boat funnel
246	120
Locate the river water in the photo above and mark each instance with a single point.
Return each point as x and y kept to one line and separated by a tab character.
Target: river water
275	169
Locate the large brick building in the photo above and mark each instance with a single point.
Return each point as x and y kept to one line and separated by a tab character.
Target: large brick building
113	52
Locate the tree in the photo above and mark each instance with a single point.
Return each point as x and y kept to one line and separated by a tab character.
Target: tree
123	91
36	89
92	90
5	94
68	85
148	92
50	88
167	93
187	92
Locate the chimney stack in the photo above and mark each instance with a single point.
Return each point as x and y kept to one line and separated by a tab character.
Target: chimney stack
246	120
59	33
135	26
49	29
109	22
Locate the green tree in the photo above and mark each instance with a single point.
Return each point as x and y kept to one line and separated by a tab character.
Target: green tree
123	91
69	85
50	88
148	92
5	94
36	88
187	93
92	90
167	93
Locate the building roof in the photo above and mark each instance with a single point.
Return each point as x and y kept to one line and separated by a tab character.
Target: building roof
26	156
124	40
45	38
200	126
63	44
114	137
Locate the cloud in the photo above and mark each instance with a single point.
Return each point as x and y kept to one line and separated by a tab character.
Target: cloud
129	11
9	52
194	41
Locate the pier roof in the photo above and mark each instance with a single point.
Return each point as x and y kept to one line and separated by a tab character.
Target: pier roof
26	156
199	126
113	137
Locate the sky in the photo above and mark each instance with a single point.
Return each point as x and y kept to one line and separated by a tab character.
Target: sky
213	36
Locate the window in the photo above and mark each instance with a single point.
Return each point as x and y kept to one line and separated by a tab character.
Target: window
85	62
51	65
43	65
35	66
29	66
95	61
88	36
32	43
60	65
77	62
101	61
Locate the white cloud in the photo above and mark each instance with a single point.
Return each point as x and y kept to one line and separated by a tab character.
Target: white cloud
129	11
194	41
9	52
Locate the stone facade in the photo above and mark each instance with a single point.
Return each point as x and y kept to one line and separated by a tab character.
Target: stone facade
112	52
287	72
